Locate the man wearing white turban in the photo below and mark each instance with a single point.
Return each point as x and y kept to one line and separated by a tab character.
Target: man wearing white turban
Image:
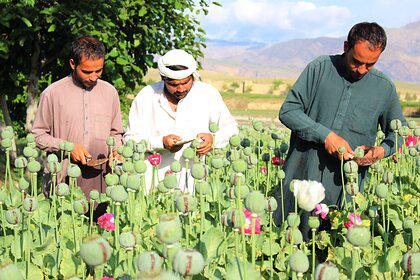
180	107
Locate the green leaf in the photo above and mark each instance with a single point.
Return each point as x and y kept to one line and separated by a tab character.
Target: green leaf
52	28
217	4
142	11
275	248
26	21
121	61
211	244
395	218
113	53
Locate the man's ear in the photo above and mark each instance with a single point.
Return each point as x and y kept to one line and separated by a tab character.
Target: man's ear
72	64
346	46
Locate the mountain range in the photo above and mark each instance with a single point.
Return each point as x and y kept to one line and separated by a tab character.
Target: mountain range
400	60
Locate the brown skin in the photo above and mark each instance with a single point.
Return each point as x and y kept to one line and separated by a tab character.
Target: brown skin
358	60
87	72
176	90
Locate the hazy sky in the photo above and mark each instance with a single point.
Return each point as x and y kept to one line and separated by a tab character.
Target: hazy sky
272	21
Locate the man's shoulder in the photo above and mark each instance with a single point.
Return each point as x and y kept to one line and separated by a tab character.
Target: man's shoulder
150	90
321	61
381	77
202	86
107	87
57	85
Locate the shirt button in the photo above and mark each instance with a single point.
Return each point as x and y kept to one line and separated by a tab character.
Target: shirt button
86	118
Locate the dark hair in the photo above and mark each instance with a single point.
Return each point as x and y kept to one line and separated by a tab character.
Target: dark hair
369	31
87	46
177	67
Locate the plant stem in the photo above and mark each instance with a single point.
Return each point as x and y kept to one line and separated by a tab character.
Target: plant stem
313	253
282	201
117	226
253	238
344	200
270	229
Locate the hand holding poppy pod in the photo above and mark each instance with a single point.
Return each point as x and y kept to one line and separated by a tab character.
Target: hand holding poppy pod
169	142
372	154
333	142
207	144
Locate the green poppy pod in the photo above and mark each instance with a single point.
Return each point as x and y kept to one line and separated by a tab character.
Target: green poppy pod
13	216
258	126
341	150
52	158
69	146
246	143
7	134
281	175
176	166
236	218
413	201
95	250
127	152
217	163
136	157
296	234
149	263
248	151
271	205
274	136
29	152
110	141
140	166
255	202
408	224
405	131
378	167
412	151
202	187
235	179
266	157
284	147
63	189
239	166
373	212
350	167
108	190
73	171
119	194
359	152
417	131
230	192
111	179
243	189
30	204
314	222
120	150
388	177
140	148
195	143
412	124
186	203
188	262
326	271
359	236
169	229
188	153
9	271
21	162
381	191
123	179
54	167
170	181
6	143
252	160
198	171
80	206
235	141
213	127
299	262
293	220
128	167
271	145
94	195
127	240
380	135
395	125
23	184
62	145
133	182
411	263
161	188
352	188
34	166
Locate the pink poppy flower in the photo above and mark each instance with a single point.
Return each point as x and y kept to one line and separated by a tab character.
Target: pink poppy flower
169	172
107	278
155	159
106	221
353	222
277	161
322	210
248	223
263	170
411	141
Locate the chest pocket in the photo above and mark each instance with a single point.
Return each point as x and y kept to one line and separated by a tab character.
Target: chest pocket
102	127
363	120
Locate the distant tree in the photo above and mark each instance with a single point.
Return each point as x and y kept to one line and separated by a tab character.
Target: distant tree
234	86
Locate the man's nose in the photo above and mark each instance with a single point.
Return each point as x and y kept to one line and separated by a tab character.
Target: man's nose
362	69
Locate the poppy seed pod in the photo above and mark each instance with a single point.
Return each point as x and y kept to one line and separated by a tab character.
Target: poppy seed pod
239	166
11	272
30	204
412	151
271	205
243	189
140	166
413	201
34	166
358	236
314	222
412	124
52	158
266	157
63	189
373	212
23	184
230	192
284	147
127	152
395	125
21	162
94	195
198	171
62	145
137	156
110	141
195	143
380	135
326	271
170	181
140	148
359	152
111	179
13	216
149	263
417	132
120	150
235	141
236	218
299	262
404	131
281	175
80	206
6	143
188	153
169	229
271	144
213	127
188	262
133	182
252	160
176	166
54	167
297	236
73	171
29	152
248	151
68	146
381	191
108	190
258	126
352	188
388	177
186	203
350	167
378	167
408	224
411	263
128	167
119	194
341	150
217	163
95	250
246	143
123	179
274	136
127	240
161	188
202	187
255	202
7	134
293	220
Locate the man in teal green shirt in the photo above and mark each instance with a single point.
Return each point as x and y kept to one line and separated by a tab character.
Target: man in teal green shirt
338	101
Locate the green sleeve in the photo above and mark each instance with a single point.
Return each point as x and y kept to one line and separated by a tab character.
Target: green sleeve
293	111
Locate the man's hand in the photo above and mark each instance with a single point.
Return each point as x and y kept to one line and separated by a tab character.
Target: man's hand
79	154
372	154
114	155
169	143
207	144
333	142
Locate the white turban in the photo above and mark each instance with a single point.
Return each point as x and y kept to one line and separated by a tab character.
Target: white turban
177	57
